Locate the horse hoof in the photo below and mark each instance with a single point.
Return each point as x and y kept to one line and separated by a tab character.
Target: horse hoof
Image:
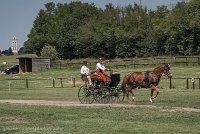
150	100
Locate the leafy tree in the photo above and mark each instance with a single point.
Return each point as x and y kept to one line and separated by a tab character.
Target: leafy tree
4	52
49	51
10	51
39	33
21	50
7	52
81	30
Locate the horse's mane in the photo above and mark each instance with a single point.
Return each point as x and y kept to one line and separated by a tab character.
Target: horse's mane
161	66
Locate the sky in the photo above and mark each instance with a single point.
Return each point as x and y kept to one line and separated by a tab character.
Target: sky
17	16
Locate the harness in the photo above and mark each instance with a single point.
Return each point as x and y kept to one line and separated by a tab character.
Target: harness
146	77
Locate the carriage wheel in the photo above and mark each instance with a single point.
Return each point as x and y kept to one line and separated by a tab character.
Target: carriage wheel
85	94
117	95
102	95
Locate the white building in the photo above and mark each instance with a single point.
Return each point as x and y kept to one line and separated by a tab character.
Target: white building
14	45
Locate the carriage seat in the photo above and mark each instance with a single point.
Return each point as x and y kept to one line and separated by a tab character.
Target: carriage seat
115	79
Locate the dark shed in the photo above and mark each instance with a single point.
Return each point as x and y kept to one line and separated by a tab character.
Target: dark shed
28	64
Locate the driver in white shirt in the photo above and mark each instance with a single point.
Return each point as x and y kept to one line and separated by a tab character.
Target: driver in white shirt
100	70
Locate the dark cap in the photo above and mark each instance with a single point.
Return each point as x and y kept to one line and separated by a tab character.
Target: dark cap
85	62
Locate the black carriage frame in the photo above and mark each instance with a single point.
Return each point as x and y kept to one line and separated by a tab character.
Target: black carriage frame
101	93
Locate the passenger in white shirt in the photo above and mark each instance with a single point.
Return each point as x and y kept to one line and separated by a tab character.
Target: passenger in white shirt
85	73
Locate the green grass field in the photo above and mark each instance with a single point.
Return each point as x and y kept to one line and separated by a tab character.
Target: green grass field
45	79
165	116
12	59
21	119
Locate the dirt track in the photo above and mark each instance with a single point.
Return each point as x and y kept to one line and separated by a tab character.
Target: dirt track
78	104
65	103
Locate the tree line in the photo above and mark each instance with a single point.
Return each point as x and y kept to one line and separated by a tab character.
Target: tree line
6	52
80	30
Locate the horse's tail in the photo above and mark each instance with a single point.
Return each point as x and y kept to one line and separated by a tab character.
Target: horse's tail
123	87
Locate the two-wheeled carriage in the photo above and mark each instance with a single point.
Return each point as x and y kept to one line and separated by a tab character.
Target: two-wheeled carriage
100	92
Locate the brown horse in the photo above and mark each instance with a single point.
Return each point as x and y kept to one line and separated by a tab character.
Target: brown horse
148	79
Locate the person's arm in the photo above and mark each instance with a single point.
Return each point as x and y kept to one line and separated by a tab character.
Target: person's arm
87	71
104	68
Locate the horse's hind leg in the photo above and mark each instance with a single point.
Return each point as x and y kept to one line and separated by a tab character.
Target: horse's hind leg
133	96
129	90
153	88
125	91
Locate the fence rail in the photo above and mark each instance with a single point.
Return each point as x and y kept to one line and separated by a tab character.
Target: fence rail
187	60
25	83
135	62
187	83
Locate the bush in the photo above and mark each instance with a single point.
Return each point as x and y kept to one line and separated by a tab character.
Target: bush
49	51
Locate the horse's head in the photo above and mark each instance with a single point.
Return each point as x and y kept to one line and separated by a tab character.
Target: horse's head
167	70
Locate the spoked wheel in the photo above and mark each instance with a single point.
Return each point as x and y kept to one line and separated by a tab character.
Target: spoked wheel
85	94
117	95
102	95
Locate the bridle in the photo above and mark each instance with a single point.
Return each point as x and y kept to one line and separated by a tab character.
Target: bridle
167	70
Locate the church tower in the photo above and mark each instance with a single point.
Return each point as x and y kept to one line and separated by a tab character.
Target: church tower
14	45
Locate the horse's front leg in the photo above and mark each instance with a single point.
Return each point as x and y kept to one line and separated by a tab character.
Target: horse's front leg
153	88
